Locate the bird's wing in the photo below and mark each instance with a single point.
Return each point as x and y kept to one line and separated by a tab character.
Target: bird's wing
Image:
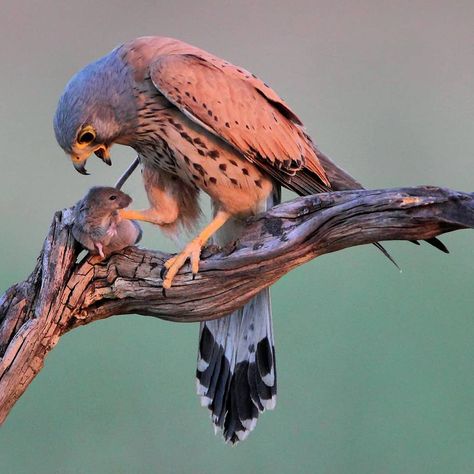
240	109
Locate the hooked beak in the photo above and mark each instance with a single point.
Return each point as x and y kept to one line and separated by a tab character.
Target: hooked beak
79	164
79	160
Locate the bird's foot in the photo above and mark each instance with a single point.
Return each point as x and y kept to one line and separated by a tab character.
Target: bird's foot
193	250
174	264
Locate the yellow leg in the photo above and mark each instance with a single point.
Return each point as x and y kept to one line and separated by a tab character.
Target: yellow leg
149	215
164	207
193	249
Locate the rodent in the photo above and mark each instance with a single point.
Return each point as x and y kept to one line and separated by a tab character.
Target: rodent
97	224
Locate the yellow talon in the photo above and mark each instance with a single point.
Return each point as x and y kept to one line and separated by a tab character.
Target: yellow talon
192	250
174	264
170	262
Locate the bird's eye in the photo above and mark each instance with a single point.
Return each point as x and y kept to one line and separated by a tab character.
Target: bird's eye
113	197
86	137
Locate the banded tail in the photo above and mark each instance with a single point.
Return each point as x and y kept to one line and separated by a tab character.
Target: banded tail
236	373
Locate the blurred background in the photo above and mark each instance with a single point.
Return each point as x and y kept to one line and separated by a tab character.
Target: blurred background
375	367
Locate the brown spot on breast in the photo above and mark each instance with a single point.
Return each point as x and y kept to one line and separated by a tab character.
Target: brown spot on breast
245	171
234	181
223	167
213	180
199	169
227	124
201	152
213	154
209	112
186	137
199	142
258	182
232	162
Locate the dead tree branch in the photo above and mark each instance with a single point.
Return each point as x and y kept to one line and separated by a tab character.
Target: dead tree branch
61	294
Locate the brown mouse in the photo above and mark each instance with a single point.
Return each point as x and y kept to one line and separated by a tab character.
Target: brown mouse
97	224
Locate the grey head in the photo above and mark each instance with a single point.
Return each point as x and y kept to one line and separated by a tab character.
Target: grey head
96	109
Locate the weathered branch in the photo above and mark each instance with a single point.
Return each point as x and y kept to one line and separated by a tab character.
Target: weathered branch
61	294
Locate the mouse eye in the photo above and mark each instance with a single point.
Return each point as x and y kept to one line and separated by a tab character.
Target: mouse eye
113	197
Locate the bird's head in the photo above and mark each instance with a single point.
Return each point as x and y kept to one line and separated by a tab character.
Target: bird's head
96	109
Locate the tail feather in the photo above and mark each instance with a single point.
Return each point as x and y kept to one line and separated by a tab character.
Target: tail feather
236	374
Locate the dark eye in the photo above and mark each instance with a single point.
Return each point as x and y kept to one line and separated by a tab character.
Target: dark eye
113	197
86	137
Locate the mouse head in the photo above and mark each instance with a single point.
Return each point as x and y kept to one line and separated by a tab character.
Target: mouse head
105	198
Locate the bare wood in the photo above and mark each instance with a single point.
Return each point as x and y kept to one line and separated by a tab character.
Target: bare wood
61	294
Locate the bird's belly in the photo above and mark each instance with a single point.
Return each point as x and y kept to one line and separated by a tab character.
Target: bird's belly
231	181
242	196
203	160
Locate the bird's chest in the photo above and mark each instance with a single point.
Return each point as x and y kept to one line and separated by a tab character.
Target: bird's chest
158	154
173	145
204	161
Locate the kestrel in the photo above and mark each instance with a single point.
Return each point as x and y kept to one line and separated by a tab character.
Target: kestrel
199	123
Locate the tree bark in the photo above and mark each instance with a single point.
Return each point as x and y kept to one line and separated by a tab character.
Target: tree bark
62	293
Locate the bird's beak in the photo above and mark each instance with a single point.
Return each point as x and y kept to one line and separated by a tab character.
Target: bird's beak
103	152
79	157
79	163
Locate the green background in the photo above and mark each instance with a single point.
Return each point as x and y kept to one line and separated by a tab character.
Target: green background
375	367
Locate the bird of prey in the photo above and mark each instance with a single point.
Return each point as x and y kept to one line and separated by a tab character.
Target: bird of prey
199	123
